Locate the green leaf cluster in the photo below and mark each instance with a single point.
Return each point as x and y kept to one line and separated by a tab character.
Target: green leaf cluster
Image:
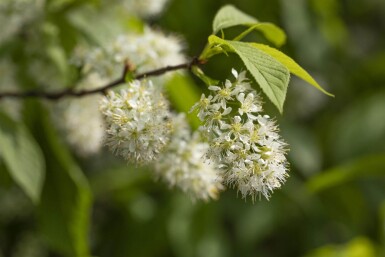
269	67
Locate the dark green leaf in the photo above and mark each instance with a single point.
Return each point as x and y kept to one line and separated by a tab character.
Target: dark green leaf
373	165
22	156
64	211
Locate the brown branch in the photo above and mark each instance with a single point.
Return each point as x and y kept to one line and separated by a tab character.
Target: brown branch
79	93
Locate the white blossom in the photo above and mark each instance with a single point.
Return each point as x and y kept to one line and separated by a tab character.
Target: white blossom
147	51
80	121
145	8
202	105
154	49
137	120
246	147
182	166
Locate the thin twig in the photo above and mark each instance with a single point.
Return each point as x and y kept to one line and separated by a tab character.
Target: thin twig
79	93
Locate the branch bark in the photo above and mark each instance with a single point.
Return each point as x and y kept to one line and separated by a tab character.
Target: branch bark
71	92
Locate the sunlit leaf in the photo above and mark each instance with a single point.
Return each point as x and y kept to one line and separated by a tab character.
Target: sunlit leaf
22	156
291	65
355	248
271	75
272	33
382	224
229	16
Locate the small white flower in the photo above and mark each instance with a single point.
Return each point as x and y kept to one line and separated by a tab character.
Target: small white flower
241	82
223	94
249	105
202	105
235	128
214	116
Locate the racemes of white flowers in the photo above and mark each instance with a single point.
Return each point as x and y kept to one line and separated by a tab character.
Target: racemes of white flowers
181	163
150	50
244	143
137	121
103	64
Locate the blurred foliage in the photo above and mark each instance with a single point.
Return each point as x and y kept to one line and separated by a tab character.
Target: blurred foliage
332	205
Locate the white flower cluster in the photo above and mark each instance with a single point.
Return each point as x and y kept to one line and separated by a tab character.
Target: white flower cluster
79	119
181	164
150	50
137	120
145	8
245	144
14	14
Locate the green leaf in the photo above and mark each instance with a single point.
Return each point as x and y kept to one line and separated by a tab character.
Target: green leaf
229	16
129	76
291	65
183	94
271	75
359	246
64	213
373	165
382	224
65	205
22	156
59	58
272	33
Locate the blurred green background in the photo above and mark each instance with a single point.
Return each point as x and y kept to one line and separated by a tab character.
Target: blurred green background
332	205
